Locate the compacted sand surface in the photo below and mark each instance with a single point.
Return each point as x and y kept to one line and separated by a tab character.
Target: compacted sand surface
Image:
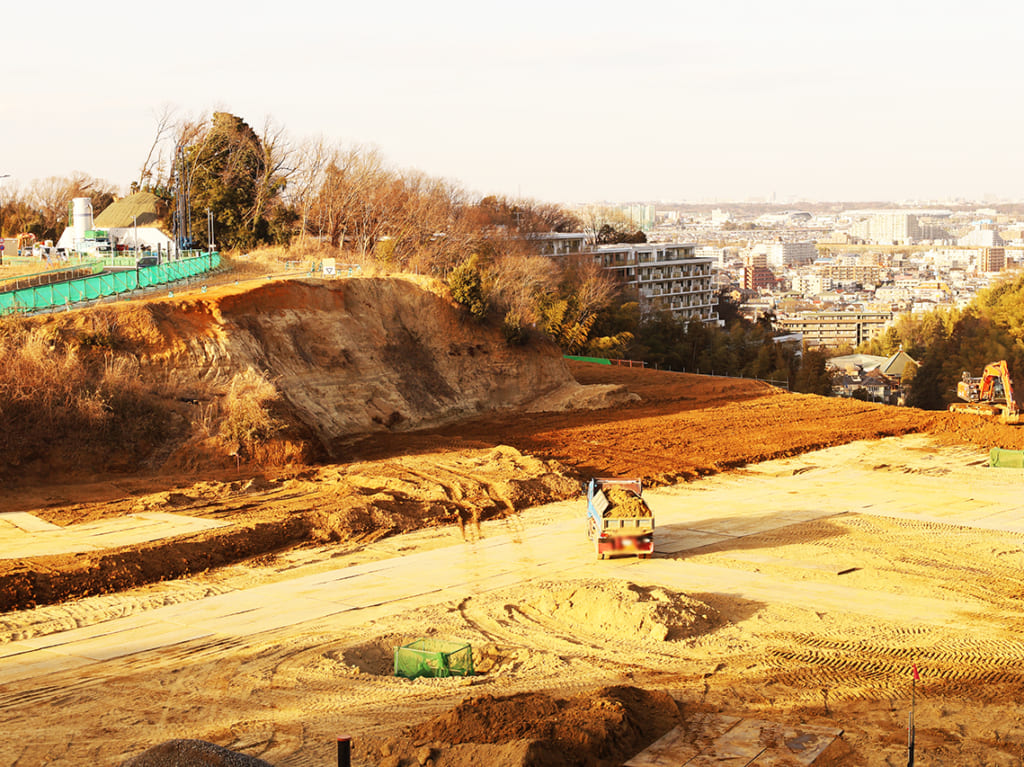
799	591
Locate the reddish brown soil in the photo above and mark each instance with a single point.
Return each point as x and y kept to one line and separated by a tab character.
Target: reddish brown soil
603	728
687	426
684	426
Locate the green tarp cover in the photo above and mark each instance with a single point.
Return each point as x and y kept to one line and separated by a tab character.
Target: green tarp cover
1006	459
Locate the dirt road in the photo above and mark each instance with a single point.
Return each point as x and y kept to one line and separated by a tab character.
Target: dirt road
798	590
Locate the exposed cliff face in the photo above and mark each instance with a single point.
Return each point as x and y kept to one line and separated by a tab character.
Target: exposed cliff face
347	356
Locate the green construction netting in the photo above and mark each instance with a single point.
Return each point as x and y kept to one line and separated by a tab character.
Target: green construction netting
1006	459
433	658
108	284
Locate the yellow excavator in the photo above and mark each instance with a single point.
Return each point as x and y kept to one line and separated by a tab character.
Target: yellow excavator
989	394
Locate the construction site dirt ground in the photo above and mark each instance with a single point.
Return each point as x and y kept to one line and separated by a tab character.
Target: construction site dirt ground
810	552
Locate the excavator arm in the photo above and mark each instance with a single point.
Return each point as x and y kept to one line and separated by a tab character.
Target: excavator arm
995	377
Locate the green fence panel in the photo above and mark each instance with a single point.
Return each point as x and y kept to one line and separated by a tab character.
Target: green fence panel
598	360
100	285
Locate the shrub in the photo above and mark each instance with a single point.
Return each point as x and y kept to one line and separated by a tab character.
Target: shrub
248	422
467	287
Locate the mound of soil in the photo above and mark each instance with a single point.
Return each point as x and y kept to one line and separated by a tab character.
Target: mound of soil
624	504
375	657
192	753
605	727
614	610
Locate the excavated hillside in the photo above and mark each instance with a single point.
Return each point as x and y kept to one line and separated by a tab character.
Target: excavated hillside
335	359
348	356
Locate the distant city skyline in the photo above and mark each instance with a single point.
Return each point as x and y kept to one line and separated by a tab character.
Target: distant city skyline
728	101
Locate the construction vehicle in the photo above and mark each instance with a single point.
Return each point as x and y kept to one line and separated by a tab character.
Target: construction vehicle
618	519
26	241
989	394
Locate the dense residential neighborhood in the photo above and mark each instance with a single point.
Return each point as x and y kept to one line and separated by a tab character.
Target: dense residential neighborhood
841	278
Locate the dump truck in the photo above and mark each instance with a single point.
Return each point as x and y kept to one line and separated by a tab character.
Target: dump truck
618	519
989	394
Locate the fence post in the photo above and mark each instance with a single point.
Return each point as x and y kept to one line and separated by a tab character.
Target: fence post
345	752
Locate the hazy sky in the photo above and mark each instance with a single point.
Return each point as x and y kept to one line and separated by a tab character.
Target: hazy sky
552	100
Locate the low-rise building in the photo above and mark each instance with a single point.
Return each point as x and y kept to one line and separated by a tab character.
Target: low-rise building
833	329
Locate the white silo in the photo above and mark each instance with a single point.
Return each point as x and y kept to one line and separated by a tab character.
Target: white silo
81	219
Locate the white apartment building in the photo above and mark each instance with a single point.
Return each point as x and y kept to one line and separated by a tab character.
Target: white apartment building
717	255
665	276
834	329
982	236
640	216
782	255
889	227
811	284
560	244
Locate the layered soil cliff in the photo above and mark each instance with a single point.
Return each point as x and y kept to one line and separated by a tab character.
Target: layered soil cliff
333	359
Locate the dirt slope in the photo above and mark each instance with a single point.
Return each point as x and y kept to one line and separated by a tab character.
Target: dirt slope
262	372
347	356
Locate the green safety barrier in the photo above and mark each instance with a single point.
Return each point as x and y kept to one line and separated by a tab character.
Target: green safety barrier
1006	459
598	360
102	285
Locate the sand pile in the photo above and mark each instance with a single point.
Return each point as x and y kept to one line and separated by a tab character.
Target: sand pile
624	503
605	611
613	610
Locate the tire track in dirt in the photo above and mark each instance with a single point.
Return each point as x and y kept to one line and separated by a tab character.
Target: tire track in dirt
871	670
49	694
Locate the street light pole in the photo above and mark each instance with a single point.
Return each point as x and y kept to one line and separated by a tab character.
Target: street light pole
4	175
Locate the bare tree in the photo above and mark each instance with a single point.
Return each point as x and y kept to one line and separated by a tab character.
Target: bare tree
51	197
352	199
275	169
151	173
311	159
594	287
595	217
